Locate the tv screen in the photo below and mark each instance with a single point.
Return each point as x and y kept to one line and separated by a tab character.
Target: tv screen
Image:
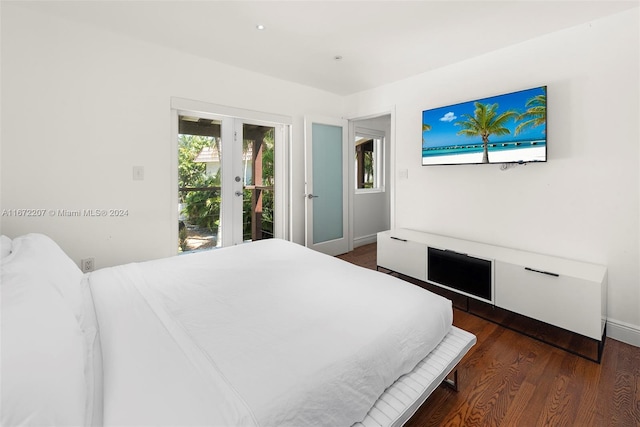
508	128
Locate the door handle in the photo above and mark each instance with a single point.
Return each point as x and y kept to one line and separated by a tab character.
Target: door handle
311	196
238	193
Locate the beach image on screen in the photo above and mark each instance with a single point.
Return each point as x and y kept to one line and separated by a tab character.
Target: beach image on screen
509	128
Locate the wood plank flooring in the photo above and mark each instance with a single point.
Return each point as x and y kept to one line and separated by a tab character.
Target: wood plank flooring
509	379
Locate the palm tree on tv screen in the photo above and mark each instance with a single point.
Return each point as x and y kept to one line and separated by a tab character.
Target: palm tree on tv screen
536	113
425	127
485	122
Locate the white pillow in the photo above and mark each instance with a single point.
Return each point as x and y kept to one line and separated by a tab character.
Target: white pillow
43	354
39	252
5	246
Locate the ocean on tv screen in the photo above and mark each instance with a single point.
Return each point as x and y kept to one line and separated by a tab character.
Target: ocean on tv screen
511	152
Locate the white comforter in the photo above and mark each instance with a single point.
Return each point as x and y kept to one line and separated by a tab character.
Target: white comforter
267	333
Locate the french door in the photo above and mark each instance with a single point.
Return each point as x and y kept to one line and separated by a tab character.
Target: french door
326	185
226	180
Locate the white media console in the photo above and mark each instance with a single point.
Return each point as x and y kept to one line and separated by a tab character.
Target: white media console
565	293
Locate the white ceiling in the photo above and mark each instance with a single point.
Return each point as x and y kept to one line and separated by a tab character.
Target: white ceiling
379	41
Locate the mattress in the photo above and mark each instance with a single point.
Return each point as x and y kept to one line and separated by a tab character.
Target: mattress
217	327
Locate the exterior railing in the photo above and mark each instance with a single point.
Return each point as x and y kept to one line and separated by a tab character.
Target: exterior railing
257	201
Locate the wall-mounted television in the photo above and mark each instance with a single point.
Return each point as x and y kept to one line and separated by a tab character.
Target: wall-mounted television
508	128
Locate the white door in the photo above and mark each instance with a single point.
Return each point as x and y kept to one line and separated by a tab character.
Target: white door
226	181
256	203
326	185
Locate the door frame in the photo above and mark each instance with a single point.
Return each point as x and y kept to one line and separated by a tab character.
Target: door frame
182	106
389	166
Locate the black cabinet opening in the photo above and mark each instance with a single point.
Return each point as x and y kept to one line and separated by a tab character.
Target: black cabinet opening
460	271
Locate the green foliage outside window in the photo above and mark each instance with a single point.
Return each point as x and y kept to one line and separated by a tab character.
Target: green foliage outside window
202	208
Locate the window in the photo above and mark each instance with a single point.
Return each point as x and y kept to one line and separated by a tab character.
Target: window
369	160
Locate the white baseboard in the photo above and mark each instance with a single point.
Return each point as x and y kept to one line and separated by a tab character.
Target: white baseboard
624	332
364	240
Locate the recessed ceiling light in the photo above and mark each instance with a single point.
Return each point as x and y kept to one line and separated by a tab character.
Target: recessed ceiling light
260	27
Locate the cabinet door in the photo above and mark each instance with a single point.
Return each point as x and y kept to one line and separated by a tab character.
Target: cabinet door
402	256
565	301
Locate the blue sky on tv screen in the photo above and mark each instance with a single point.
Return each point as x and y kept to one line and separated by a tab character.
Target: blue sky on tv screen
444	131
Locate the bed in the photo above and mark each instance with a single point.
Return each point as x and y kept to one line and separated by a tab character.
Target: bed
267	333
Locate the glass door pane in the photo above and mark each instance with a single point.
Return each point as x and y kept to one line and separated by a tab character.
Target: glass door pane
327	182
199	183
258	145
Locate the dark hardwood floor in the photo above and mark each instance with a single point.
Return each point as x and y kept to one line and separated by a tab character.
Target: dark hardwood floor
509	379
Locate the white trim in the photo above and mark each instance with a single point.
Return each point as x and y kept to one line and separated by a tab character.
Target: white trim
282	177
392	169
229	206
365	240
289	174
173	184
223	110
351	178
624	332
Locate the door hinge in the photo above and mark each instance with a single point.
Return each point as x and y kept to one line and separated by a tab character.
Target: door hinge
235	136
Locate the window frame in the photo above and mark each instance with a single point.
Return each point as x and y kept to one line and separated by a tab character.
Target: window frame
378	138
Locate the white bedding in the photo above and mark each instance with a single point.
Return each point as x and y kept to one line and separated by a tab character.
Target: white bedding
45	377
207	338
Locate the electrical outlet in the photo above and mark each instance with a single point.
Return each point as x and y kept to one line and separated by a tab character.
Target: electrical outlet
87	264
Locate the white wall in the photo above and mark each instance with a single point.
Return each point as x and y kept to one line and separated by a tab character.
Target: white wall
584	202
82	106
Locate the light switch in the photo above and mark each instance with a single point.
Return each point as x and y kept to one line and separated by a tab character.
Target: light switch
138	173
403	174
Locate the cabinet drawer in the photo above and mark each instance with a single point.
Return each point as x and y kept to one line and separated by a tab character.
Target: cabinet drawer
565	301
402	256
